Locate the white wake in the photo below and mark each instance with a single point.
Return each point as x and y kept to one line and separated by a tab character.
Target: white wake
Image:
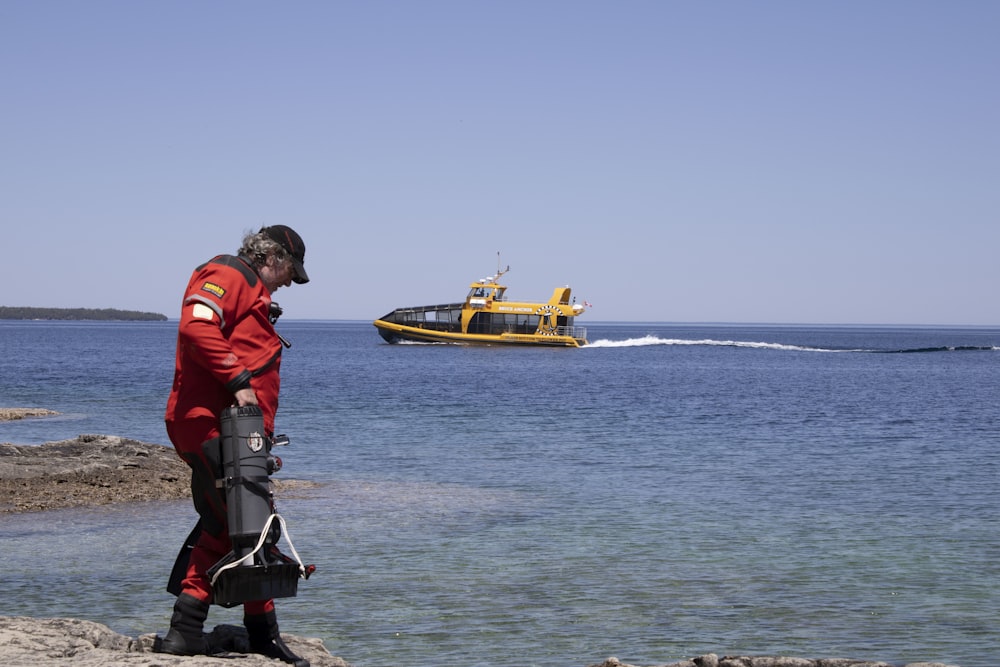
656	340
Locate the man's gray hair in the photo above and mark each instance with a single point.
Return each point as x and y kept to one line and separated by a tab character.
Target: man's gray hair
257	246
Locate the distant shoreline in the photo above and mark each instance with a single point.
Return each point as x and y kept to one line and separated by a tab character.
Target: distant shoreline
78	314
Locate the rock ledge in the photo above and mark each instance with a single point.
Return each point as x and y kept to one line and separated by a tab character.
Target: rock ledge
96	470
28	641
88	470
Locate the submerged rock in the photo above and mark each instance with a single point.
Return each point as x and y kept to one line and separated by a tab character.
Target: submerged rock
99	469
713	660
26	641
10	414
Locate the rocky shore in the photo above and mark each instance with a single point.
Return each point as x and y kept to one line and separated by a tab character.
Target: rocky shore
102	469
28	641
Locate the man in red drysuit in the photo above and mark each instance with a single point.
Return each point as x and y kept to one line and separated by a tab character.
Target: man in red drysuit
228	353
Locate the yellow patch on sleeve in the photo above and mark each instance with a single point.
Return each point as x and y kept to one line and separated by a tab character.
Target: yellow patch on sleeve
212	288
202	312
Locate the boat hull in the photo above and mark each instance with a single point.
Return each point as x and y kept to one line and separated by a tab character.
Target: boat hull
395	333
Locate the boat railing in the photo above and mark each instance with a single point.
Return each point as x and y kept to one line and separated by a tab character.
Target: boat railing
573	332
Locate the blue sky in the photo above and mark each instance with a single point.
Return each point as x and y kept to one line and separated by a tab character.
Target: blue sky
772	161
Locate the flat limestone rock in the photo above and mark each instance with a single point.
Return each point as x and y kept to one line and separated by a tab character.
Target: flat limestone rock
26	641
89	470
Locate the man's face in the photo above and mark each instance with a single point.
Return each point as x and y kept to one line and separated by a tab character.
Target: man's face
275	274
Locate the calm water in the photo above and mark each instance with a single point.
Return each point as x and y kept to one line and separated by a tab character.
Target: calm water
668	491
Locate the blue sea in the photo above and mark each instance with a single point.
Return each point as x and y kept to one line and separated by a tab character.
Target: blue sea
668	491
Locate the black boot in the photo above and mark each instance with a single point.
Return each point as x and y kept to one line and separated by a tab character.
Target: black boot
266	640
186	634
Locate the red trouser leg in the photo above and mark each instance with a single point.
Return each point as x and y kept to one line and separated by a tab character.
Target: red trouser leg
188	437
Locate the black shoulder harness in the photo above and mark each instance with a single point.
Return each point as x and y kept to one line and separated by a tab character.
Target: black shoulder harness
241	264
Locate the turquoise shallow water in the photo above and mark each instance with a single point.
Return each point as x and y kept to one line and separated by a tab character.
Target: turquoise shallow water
670	490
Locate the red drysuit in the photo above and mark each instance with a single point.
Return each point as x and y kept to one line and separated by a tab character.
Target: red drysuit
225	342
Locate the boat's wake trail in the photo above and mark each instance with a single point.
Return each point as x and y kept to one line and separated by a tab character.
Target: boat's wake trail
646	341
656	340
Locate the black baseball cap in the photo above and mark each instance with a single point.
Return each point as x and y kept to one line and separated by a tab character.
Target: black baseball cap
292	243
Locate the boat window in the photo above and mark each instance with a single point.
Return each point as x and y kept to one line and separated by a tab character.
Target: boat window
498	323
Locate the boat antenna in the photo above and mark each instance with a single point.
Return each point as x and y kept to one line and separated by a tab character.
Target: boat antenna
499	272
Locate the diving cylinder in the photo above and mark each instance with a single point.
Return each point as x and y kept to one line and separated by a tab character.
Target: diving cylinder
246	467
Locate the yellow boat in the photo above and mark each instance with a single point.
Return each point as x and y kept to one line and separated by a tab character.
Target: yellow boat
486	316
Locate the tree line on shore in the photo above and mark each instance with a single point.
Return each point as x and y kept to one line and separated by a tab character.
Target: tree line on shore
29	313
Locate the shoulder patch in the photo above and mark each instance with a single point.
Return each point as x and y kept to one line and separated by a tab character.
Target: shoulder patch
212	288
202	312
